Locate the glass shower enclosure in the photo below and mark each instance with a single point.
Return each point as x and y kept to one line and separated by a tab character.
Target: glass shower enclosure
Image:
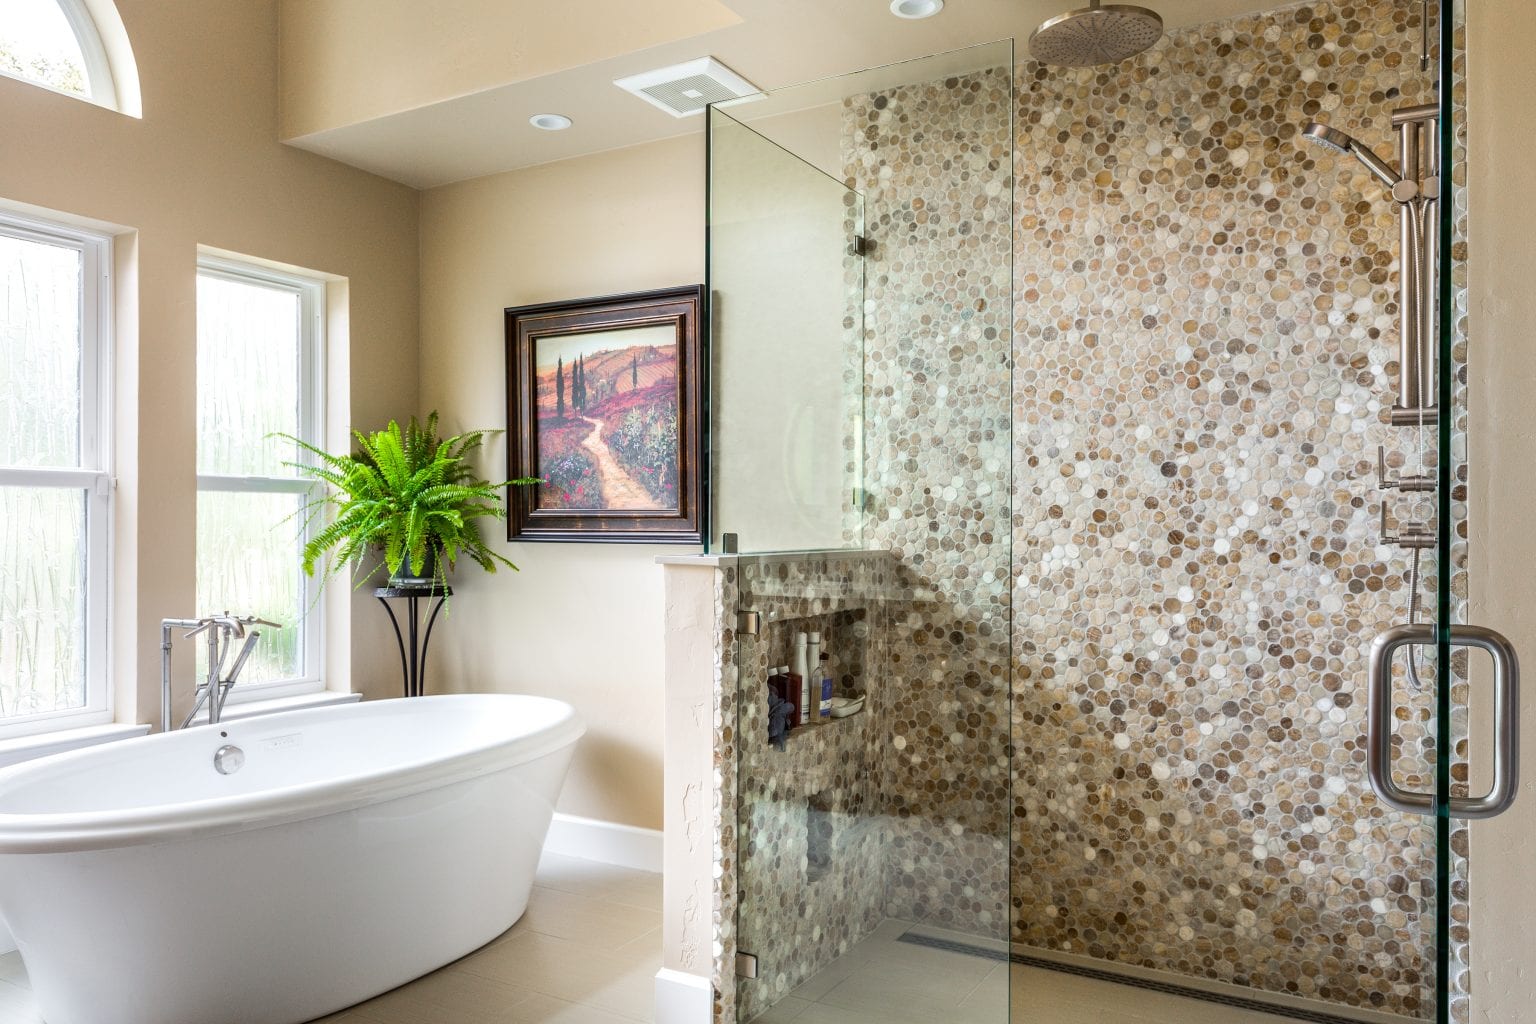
1105	427
861	282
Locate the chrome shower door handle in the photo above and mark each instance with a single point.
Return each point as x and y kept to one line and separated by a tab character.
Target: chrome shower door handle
1506	721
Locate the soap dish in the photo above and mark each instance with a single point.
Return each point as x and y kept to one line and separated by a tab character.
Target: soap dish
842	707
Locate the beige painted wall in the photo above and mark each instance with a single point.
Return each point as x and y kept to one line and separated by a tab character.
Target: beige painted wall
333	50
1502	434
581	622
204	167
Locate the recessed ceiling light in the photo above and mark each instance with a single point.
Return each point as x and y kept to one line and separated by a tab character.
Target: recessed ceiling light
550	122
914	9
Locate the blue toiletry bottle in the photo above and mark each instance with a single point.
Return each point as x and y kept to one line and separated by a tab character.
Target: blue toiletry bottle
824	672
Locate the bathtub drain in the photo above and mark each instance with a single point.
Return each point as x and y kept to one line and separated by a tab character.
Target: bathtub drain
228	759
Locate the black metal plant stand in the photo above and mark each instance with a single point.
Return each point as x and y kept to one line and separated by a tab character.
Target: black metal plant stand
413	643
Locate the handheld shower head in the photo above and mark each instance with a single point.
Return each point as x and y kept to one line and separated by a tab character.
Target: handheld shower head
1342	142
1325	135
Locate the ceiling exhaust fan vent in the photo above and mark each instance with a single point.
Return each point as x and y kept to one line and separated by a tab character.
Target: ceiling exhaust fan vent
685	89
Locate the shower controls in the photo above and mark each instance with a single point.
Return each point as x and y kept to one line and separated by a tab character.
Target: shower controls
1506	721
1411	533
1403	481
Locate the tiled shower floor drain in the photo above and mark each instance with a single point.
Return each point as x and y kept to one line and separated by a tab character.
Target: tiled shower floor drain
1099	974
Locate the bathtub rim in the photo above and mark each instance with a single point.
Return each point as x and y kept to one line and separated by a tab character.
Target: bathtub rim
85	831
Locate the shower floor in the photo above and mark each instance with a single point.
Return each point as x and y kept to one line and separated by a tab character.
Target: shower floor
883	980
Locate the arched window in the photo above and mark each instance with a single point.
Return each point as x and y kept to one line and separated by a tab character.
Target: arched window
78	47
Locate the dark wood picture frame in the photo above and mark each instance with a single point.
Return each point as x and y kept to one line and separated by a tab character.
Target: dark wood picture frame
526	327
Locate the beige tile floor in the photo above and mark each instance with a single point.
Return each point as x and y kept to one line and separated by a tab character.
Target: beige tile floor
883	981
586	952
588	949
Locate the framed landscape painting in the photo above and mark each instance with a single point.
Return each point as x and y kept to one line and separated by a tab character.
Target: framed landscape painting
604	398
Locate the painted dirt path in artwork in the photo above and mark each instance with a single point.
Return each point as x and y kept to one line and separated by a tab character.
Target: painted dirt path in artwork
620	491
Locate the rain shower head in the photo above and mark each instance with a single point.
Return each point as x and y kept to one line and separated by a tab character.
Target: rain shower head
1343	142
1096	34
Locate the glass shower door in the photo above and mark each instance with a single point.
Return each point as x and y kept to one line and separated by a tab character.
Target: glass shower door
1477	697
1214	450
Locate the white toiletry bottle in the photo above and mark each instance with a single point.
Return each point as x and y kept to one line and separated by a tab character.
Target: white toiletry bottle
802	669
813	668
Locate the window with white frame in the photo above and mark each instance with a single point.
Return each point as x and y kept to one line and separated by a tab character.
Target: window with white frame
260	354
55	487
55	43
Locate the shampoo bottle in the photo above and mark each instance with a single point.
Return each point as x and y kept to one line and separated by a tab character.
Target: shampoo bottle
824	675
800	677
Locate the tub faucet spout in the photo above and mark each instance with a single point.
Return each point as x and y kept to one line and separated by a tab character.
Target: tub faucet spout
221	632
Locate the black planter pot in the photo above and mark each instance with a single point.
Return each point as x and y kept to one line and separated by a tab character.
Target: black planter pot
423	574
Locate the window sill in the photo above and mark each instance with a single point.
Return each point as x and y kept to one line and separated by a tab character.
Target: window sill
253	708
26	748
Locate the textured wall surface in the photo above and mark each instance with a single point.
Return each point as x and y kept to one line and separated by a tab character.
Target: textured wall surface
812	836
932	161
801	839
1204	344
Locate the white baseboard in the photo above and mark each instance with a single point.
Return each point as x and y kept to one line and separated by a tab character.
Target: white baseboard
683	998
605	842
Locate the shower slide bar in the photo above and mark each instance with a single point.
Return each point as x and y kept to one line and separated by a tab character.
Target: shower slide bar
1414	185
1417	196
1506	721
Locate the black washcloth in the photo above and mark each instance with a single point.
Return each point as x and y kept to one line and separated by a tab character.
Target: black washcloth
779	712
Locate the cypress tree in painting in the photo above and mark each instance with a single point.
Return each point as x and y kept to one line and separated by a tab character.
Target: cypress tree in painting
559	387
634	370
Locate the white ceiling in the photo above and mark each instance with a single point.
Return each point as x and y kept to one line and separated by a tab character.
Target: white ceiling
777	43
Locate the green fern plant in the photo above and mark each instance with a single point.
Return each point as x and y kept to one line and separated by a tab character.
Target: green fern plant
405	493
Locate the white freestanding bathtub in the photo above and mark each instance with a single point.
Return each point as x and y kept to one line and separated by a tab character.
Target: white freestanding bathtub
357	847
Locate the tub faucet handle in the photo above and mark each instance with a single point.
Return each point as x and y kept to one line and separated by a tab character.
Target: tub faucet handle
245	652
